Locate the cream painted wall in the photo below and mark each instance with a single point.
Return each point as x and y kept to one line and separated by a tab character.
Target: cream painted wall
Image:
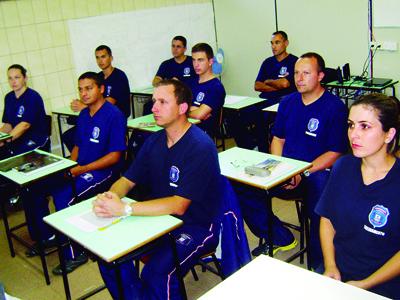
387	63
34	33
244	31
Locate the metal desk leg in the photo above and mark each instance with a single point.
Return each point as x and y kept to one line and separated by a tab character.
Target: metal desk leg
60	132
7	228
62	263
119	282
42	255
178	267
270	233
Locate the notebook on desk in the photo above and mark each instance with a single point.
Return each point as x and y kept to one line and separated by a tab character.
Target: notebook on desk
377	81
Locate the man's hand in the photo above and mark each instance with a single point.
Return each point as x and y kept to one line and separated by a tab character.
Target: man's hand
294	182
332	272
108	205
77	105
77	170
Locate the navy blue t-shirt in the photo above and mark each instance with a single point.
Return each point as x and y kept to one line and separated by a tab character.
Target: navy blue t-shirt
183	71
311	130
189	169
271	68
211	93
366	219
28	108
100	134
117	86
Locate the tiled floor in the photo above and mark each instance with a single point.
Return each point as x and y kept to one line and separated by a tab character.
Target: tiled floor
23	277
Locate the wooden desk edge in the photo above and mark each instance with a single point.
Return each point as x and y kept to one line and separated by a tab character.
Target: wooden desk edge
272	184
127	251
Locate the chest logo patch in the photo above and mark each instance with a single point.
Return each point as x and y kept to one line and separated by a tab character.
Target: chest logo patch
186	71
200	97
21	111
174	174
283	71
108	91
313	124
95	134
378	216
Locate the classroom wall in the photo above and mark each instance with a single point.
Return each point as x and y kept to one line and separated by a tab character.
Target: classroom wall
338	30
34	33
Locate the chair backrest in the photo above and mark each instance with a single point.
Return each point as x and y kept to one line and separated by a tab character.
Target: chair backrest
49	121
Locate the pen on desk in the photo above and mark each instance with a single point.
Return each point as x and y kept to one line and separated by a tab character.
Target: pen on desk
112	223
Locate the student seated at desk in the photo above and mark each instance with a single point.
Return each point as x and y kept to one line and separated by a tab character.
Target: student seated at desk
180	166
275	80
310	126
208	92
359	209
24	116
100	143
178	67
116	89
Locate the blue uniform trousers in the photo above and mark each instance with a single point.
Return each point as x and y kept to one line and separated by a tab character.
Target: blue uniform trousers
158	279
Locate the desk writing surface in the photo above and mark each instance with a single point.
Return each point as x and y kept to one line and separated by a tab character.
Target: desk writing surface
21	178
359	84
66	111
118	239
234	160
147	123
272	108
269	278
4	136
239	102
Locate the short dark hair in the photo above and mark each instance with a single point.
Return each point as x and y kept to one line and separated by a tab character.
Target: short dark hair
104	47
282	33
387	109
203	47
320	60
182	92
94	76
180	38
18	67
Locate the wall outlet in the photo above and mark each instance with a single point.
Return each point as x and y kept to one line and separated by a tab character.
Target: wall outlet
384	45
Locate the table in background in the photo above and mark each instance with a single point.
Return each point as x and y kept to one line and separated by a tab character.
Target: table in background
341	89
23	180
233	162
139	97
111	245
274	279
148	124
63	113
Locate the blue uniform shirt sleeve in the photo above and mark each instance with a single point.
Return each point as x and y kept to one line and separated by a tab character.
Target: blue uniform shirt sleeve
279	125
117	138
162	70
338	141
262	73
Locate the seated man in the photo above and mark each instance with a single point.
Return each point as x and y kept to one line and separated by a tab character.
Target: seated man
24	116
180	166
178	67
116	89
208	92
275	80
100	142
310	126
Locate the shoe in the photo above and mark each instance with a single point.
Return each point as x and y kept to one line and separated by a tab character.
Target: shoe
46	244
263	249
71	264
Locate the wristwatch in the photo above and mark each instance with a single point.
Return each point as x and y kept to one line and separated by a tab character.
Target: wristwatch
128	209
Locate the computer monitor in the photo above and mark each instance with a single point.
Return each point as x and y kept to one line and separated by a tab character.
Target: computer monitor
346	72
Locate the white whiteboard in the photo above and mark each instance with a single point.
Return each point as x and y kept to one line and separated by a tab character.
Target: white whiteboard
386	13
140	40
